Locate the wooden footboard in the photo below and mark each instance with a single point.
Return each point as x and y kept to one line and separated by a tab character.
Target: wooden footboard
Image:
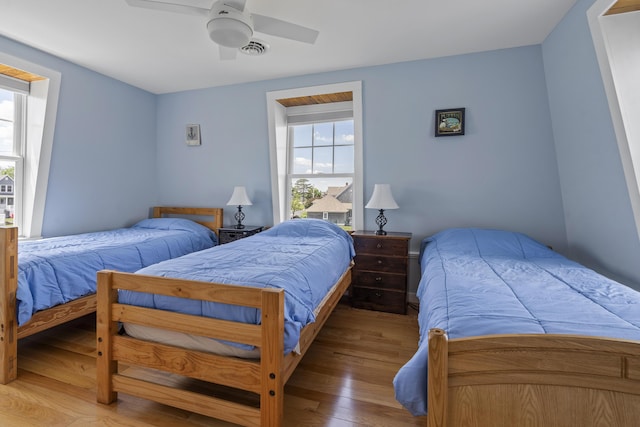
8	320
265	377
533	380
45	319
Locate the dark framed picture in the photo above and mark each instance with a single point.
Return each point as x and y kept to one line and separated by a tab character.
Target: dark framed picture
450	122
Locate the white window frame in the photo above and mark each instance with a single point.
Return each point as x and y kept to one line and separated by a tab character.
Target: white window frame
609	69
278	129
41	113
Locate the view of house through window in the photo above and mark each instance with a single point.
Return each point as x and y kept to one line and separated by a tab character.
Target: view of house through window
321	170
9	154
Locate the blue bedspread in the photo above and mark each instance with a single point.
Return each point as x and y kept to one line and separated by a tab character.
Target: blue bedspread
481	282
60	269
305	257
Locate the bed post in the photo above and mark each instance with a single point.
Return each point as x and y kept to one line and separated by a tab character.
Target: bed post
8	320
271	358
105	330
437	373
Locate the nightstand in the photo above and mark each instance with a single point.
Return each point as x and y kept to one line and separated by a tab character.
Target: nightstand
380	271
229	234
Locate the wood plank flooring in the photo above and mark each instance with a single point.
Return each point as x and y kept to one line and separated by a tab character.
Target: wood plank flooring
345	379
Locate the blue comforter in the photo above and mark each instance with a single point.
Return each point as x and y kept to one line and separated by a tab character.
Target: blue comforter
305	257
60	269
482	282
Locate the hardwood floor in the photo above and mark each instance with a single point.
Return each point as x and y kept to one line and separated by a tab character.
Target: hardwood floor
345	379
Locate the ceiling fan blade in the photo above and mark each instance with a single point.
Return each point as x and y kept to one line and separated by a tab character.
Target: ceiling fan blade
227	53
277	27
169	7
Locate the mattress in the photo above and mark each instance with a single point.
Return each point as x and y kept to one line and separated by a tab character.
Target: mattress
57	270
305	257
483	282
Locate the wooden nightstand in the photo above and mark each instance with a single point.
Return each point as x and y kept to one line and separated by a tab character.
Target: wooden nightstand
229	234
380	271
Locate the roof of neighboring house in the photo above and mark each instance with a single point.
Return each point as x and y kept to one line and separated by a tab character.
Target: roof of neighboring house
343	194
329	204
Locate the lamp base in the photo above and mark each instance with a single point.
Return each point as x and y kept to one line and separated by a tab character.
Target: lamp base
381	221
239	216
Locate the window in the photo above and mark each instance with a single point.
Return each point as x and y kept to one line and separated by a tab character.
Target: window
316	153
12	111
321	168
28	107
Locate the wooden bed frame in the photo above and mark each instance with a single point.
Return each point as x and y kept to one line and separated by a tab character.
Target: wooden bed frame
10	333
532	380
264	378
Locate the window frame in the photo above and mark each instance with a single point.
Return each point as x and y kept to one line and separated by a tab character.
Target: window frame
278	147
40	112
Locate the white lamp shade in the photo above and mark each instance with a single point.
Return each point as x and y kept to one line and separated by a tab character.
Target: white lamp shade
239	197
382	198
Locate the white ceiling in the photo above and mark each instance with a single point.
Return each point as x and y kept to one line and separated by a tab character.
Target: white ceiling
165	52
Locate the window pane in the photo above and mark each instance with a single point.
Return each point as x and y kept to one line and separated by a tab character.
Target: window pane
324	197
301	162
323	134
6	138
343	162
7	171
6	122
6	105
302	136
344	132
323	160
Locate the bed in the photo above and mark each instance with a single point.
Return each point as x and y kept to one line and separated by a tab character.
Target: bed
272	292
512	333
48	282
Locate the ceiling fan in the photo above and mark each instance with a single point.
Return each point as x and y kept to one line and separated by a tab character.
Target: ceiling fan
231	26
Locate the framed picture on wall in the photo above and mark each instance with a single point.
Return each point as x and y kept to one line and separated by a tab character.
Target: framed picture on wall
193	135
449	122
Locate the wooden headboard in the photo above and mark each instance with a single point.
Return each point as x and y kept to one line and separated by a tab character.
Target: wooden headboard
216	213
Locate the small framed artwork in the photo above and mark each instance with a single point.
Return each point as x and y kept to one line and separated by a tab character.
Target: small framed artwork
450	122
193	135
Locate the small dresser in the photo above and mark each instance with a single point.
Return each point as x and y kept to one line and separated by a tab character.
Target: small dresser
229	234
380	272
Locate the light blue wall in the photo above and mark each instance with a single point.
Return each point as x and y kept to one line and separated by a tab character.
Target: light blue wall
502	173
103	166
601	231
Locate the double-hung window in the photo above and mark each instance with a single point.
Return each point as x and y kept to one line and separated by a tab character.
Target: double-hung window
321	164
315	140
12	115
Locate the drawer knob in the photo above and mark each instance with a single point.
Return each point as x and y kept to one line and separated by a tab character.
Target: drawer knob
378	279
379	261
379	245
379	294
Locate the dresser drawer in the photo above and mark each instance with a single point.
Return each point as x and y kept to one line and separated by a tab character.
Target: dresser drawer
379	246
228	235
374	279
380	300
381	263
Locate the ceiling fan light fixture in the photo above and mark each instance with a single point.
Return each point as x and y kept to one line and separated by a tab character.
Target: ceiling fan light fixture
229	32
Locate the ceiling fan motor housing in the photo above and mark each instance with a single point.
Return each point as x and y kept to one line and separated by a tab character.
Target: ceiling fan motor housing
229	27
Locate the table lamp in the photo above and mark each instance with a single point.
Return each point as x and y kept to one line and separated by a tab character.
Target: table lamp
239	198
381	199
